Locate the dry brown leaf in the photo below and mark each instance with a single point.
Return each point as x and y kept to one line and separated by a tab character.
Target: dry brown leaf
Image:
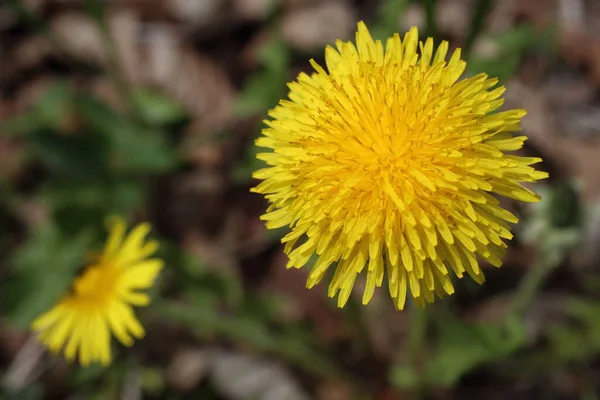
79	35
486	48
104	88
453	17
31	52
30	92
12	339
540	12
188	77
34	6
568	88
252	10
199	13
572	157
310	304
216	251
414	16
244	377
568	384
12	157
335	390
33	213
571	15
196	199
125	28
158	58
296	3
249	58
187	368
387	327
311	27
8	19
206	155
390	394
582	49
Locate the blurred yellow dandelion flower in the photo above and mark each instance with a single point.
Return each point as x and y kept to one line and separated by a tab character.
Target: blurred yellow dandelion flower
101	299
386	161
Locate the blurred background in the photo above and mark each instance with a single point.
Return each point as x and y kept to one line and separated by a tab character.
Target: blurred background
148	109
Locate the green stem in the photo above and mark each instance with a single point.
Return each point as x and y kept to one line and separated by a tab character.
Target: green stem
415	344
530	285
430	7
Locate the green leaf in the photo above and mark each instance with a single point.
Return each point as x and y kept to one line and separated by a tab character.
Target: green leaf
79	157
464	346
565	208
581	325
131	149
264	89
255	332
262	92
156	109
404	376
275	55
87	204
33	391
203	317
512	45
98	117
44	269
48	113
556	223
140	151
86	375
388	15
113	196
500	67
275	235
152	381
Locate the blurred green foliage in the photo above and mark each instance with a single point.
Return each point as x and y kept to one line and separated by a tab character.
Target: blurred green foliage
505	51
456	348
262	92
94	161
460	347
265	87
59	257
98	162
388	14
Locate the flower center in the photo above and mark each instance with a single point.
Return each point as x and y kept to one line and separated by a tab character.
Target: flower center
97	283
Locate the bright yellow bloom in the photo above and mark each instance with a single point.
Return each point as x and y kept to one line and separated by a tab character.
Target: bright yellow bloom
101	298
387	161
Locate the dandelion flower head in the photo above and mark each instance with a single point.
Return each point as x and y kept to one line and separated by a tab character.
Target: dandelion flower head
101	300
385	164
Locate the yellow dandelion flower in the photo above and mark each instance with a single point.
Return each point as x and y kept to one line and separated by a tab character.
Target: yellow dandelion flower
386	161
101	299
